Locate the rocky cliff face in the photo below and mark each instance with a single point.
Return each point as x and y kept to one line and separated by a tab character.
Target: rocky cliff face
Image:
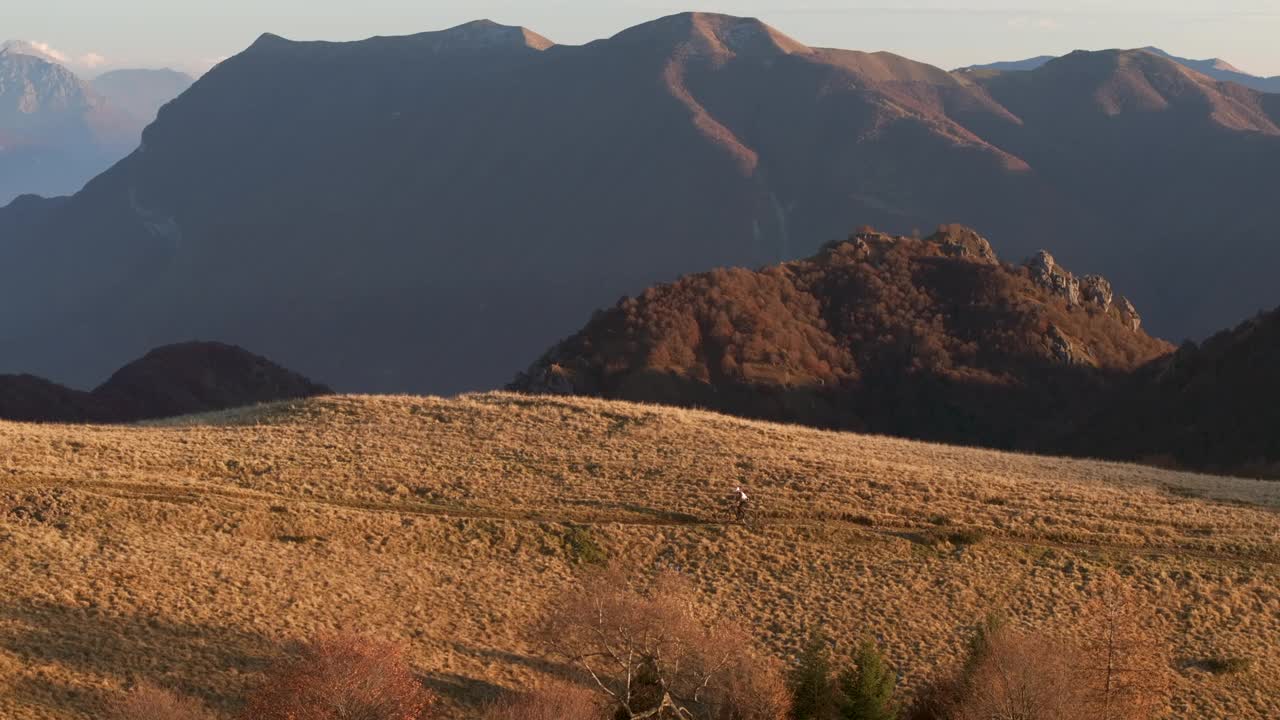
1091	291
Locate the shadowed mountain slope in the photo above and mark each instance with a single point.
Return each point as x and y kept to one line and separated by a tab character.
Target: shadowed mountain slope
1210	406
419	213
931	338
169	381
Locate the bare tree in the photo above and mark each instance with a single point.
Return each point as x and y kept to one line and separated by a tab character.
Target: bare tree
652	656
1124	669
1021	677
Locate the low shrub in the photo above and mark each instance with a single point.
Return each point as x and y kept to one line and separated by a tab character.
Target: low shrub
341	678
147	702
553	701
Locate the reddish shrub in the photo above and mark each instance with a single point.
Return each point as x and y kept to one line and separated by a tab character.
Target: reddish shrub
146	702
553	701
342	678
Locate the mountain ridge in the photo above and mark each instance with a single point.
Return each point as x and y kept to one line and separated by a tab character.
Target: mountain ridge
476	35
1216	68
522	188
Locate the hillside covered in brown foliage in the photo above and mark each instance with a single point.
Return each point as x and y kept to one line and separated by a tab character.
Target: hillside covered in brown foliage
933	338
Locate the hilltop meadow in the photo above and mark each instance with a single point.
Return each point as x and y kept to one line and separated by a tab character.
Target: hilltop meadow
187	553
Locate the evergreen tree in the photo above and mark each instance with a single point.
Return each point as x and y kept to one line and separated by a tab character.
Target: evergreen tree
813	691
980	642
868	687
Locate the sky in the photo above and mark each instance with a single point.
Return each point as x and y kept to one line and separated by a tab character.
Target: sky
194	34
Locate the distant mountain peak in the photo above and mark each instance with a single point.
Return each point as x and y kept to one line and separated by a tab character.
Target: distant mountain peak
1214	68
716	34
41	86
1210	63
32	49
485	33
1127	81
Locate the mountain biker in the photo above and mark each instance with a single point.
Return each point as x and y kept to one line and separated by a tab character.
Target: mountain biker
739	498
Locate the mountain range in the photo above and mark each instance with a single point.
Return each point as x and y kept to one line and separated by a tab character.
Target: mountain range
1215	68
424	213
58	131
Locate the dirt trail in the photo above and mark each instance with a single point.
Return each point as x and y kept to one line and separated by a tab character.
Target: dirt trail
203	493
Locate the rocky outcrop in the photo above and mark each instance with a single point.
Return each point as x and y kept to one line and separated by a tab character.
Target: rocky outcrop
1129	314
550	378
1093	292
1097	290
1066	350
962	242
1049	275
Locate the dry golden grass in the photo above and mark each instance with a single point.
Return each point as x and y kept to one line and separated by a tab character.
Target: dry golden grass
183	553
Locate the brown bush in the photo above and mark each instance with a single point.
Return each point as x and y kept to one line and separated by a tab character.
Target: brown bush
553	701
341	678
1021	677
1112	669
649	653
147	702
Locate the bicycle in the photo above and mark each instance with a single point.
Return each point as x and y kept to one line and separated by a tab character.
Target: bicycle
734	512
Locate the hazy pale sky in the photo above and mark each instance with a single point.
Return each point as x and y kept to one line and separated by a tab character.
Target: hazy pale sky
948	33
